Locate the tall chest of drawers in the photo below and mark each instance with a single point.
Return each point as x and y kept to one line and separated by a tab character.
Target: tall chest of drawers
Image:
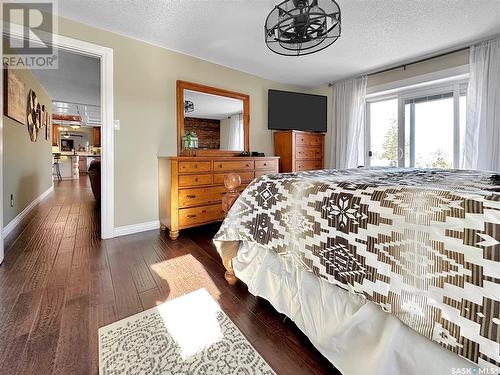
191	188
299	151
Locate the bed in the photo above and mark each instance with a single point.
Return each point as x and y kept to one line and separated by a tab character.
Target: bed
385	270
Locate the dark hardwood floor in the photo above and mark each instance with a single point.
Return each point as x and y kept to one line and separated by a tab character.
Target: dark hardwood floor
59	283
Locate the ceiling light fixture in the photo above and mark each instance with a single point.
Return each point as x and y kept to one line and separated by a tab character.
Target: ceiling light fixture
302	27
188	106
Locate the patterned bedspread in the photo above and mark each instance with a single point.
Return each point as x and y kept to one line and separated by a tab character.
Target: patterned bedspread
422	244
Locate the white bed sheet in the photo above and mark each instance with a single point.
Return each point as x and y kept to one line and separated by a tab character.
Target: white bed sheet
351	332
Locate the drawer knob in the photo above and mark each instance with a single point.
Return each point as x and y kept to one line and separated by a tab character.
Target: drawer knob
265	164
196	166
190	196
196	179
191	216
248	165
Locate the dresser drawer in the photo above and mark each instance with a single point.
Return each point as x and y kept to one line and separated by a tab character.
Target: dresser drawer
266	164
315	140
199	196
301	139
194	166
308	165
308	139
245	177
195	180
308	153
233	165
197	215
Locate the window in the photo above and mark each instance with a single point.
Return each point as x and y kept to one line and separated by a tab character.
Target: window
383	138
429	120
419	128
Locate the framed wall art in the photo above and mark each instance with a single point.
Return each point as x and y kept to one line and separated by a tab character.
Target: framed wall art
14	96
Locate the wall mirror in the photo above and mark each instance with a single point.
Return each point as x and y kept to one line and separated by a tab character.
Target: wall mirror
211	121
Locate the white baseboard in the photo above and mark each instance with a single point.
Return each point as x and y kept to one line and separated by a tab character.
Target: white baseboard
137	228
9	227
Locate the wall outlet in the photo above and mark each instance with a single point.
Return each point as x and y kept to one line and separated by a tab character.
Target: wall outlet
12	200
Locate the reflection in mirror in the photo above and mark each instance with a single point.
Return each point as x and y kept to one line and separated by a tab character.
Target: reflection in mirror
212	122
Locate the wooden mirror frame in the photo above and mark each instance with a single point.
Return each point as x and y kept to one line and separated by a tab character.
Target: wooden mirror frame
183	85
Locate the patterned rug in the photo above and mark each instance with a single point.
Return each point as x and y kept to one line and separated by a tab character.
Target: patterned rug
188	335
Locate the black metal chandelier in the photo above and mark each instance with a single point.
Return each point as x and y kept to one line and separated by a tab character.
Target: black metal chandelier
302	27
188	106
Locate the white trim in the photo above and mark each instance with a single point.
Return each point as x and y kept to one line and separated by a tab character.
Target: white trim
456	125
421	81
105	54
15	222
137	228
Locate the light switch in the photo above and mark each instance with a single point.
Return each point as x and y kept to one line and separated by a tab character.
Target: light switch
116	124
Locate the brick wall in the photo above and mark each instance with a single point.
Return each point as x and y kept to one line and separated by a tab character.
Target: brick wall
208	131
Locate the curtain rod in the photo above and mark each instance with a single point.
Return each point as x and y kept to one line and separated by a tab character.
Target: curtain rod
419	61
413	62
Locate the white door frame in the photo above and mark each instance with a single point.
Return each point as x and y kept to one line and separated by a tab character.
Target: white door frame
105	55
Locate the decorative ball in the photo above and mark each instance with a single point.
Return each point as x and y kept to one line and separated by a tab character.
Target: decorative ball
232	181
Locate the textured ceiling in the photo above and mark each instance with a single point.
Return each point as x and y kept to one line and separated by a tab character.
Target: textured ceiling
375	33
77	79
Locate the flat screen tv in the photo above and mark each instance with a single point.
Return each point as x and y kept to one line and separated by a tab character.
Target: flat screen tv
296	111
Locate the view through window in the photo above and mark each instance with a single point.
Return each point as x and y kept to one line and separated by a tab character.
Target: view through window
384	133
428	134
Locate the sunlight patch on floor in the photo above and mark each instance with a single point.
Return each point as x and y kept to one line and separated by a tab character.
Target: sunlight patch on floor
192	322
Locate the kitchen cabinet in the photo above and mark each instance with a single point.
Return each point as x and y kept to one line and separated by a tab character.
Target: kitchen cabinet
82	165
55	135
97	137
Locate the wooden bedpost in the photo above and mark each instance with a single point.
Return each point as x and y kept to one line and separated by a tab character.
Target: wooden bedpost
232	181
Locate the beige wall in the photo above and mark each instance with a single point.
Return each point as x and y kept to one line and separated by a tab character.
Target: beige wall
27	165
440	63
144	98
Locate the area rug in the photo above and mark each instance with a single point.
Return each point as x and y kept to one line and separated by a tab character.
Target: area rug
188	335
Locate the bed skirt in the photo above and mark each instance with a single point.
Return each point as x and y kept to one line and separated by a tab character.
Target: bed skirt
351	332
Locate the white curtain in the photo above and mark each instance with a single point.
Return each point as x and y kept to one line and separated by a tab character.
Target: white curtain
236	137
481	146
348	124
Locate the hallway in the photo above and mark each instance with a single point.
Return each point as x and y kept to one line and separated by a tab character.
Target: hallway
45	283
59	283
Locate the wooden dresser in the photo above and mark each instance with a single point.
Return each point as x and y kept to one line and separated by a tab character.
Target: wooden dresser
299	151
191	188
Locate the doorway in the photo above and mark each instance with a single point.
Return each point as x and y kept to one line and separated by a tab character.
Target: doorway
105	56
